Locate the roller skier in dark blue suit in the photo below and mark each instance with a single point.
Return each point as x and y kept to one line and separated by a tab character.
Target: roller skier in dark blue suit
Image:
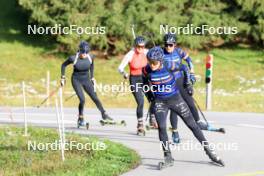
177	55
164	92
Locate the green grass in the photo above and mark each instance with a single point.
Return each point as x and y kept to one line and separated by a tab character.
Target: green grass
28	58
16	159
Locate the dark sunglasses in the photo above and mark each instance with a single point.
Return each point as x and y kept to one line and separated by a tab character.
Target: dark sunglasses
141	47
169	45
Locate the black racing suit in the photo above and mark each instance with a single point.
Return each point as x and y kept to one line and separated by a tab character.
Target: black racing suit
81	78
189	101
136	88
170	99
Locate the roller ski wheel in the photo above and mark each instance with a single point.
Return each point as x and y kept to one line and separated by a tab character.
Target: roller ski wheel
87	125
163	165
222	130
140	129
123	122
81	123
104	122
213	156
141	133
168	162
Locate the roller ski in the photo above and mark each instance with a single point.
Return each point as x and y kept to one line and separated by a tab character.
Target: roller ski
208	127
107	120
168	161
153	125
81	123
140	129
220	130
213	156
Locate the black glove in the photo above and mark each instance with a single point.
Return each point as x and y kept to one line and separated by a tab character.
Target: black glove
189	89
125	75
192	78
150	96
63	81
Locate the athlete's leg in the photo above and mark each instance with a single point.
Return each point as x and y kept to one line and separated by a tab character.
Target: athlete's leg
188	99
179	106
174	127
89	89
135	82
152	118
161	111
78	90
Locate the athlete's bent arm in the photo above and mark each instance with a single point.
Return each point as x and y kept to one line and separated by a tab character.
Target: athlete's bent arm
92	67
65	64
127	58
185	56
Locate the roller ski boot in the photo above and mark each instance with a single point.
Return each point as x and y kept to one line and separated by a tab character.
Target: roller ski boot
140	129
153	125
213	156
175	136
168	161
206	126
107	120
81	123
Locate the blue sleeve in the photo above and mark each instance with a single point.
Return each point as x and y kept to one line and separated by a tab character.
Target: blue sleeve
185	56
186	74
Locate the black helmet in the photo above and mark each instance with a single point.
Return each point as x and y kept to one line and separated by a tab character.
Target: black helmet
84	47
140	41
155	54
169	38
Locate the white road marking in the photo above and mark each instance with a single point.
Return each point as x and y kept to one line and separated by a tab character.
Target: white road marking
36	121
252	126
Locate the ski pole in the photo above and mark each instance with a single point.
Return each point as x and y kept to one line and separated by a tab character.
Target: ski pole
49	96
148	114
201	111
133	32
68	98
210	128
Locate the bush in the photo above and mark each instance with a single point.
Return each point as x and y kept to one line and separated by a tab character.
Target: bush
147	15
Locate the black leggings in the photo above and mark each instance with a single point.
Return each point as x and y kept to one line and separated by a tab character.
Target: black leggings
79	82
177	105
136	83
189	101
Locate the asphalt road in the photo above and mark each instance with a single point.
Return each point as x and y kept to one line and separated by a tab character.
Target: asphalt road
241	147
